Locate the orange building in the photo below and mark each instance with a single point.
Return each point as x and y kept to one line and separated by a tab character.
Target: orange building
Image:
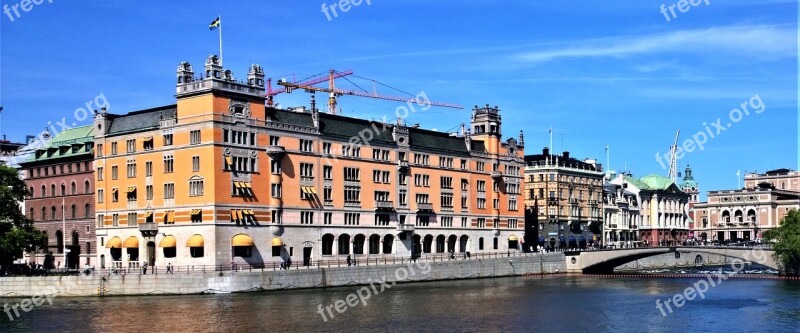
219	177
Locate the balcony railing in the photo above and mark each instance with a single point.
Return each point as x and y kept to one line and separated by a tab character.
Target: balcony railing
497	175
405	228
425	206
384	205
276	151
402	164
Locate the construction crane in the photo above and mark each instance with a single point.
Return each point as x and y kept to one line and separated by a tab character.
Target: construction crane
271	93
673	164
334	92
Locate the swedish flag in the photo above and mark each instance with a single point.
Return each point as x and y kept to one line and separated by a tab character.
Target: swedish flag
215	24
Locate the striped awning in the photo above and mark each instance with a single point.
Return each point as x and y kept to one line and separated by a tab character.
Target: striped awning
148	214
131	189
247	185
196	212
228	160
308	189
148	139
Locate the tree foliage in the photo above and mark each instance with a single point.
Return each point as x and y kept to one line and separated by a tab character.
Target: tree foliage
786	240
17	233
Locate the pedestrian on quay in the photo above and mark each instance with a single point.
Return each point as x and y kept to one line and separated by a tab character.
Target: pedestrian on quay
288	262
348	260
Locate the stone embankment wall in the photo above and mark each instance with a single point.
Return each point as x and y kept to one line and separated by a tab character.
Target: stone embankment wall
248	281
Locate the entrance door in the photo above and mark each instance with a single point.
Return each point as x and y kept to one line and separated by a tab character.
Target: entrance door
307	256
151	253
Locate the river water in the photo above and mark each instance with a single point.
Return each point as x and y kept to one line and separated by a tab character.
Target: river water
550	304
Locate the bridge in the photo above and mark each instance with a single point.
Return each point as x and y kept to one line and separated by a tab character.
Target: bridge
604	261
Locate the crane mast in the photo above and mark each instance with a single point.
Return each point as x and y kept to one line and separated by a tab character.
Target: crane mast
673	164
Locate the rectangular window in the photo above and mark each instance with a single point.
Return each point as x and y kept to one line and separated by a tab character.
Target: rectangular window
328	218
481	203
132	169
481	166
277	216
464	222
131	146
496	203
114	194
195	163
100	195
275	167
113	148
352	218
306	171
115	220
114	172
276	191
149	192
326	148
306	145
169	191
194	137
352	194
132	219
481	186
99	150
148	169
306	217
99	173
512	223
447	200
422	199
147	145
382	219
402	198
195	187
327	172
169	165
131	194
351	174
512	203
423	220
167	139
101	221
481	222
327	193
446	182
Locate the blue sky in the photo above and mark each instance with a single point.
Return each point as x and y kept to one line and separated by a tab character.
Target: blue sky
599	73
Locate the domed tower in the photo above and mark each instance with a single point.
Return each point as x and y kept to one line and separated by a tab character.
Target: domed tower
690	186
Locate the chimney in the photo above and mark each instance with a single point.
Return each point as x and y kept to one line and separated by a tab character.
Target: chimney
566	155
546	151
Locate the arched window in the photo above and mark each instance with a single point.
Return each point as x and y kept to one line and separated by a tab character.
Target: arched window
63	190
86	188
44	192
59	242
31	215
388	241
374	244
30	190
327	245
344	244
52	190
74	212
73	188
53	213
44	214
480	243
87	213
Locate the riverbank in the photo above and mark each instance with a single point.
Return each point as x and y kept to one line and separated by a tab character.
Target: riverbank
254	281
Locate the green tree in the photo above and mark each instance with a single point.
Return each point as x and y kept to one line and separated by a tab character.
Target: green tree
786	240
17	233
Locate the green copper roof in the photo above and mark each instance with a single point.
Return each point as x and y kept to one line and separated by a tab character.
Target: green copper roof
656	182
69	143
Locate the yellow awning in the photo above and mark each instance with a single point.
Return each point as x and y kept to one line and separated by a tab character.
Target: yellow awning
171	217
312	190
250	211
195	241
148	214
166	216
513	238
233	214
242	240
228	160
114	243
196	211
247	185
277	242
131	189
237	184
114	190
168	241
148	139
238	214
131	243
304	189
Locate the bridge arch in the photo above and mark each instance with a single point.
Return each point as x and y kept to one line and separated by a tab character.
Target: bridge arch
604	261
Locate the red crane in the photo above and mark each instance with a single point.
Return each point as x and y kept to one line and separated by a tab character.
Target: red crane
334	92
271	93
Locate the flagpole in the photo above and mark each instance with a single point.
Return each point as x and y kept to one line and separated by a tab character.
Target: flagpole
64	233
551	140
220	39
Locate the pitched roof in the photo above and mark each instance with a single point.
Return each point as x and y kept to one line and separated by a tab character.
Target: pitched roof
140	120
380	133
60	146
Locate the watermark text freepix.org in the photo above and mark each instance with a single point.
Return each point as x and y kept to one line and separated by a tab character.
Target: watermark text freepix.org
344	6
25	5
682	6
713	130
375	287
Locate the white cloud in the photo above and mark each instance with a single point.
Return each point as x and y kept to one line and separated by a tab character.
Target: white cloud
743	41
